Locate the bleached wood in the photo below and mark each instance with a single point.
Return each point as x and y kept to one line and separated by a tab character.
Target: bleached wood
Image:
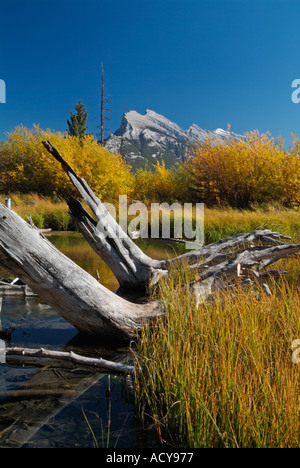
69	289
92	308
243	266
101	363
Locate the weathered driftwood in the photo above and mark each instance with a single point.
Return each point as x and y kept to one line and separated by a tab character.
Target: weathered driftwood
9	289
92	308
27	406
129	264
75	358
75	294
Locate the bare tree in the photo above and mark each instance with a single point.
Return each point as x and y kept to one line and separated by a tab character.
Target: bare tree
122	133
103	109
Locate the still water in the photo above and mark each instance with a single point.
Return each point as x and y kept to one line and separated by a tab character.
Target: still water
42	405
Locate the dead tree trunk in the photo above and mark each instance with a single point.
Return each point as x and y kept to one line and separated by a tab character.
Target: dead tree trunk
93	309
129	264
76	295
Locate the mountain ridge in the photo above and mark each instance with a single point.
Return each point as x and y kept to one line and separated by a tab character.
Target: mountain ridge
154	137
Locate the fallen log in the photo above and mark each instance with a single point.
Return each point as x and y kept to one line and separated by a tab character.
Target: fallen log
90	307
71	291
97	363
93	309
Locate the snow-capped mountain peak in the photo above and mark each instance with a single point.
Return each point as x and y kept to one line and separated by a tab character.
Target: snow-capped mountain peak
152	136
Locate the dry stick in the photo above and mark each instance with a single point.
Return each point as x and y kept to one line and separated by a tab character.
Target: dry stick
69	356
218	277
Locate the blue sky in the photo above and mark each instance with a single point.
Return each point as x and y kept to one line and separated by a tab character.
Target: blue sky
210	62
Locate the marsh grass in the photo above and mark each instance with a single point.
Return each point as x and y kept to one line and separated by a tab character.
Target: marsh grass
46	212
218	222
222	375
225	222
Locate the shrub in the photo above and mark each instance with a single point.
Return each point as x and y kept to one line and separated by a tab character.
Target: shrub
162	184
26	166
243	172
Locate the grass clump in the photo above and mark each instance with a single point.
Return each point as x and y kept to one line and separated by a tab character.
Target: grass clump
225	222
45	212
222	375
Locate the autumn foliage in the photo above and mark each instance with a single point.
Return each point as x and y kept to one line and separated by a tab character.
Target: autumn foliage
161	184
244	172
26	166
236	173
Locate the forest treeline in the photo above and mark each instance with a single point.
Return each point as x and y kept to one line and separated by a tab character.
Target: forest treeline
237	173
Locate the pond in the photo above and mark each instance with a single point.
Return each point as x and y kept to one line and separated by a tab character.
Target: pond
46	406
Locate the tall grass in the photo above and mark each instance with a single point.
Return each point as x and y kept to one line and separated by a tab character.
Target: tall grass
46	212
222	376
220	223
52	212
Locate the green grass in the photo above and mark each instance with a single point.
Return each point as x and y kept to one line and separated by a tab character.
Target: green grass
46	212
220	223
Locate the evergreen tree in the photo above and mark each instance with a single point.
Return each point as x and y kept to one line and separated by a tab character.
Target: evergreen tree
77	122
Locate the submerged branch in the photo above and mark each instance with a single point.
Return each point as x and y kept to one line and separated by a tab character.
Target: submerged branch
69	356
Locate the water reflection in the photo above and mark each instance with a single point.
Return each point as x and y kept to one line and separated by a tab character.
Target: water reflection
76	248
42	405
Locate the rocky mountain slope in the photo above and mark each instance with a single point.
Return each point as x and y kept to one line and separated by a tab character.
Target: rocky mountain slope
153	137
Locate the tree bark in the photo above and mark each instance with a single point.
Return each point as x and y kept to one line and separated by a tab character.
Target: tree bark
37	402
76	295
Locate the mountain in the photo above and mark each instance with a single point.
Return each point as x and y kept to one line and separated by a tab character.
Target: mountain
153	137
